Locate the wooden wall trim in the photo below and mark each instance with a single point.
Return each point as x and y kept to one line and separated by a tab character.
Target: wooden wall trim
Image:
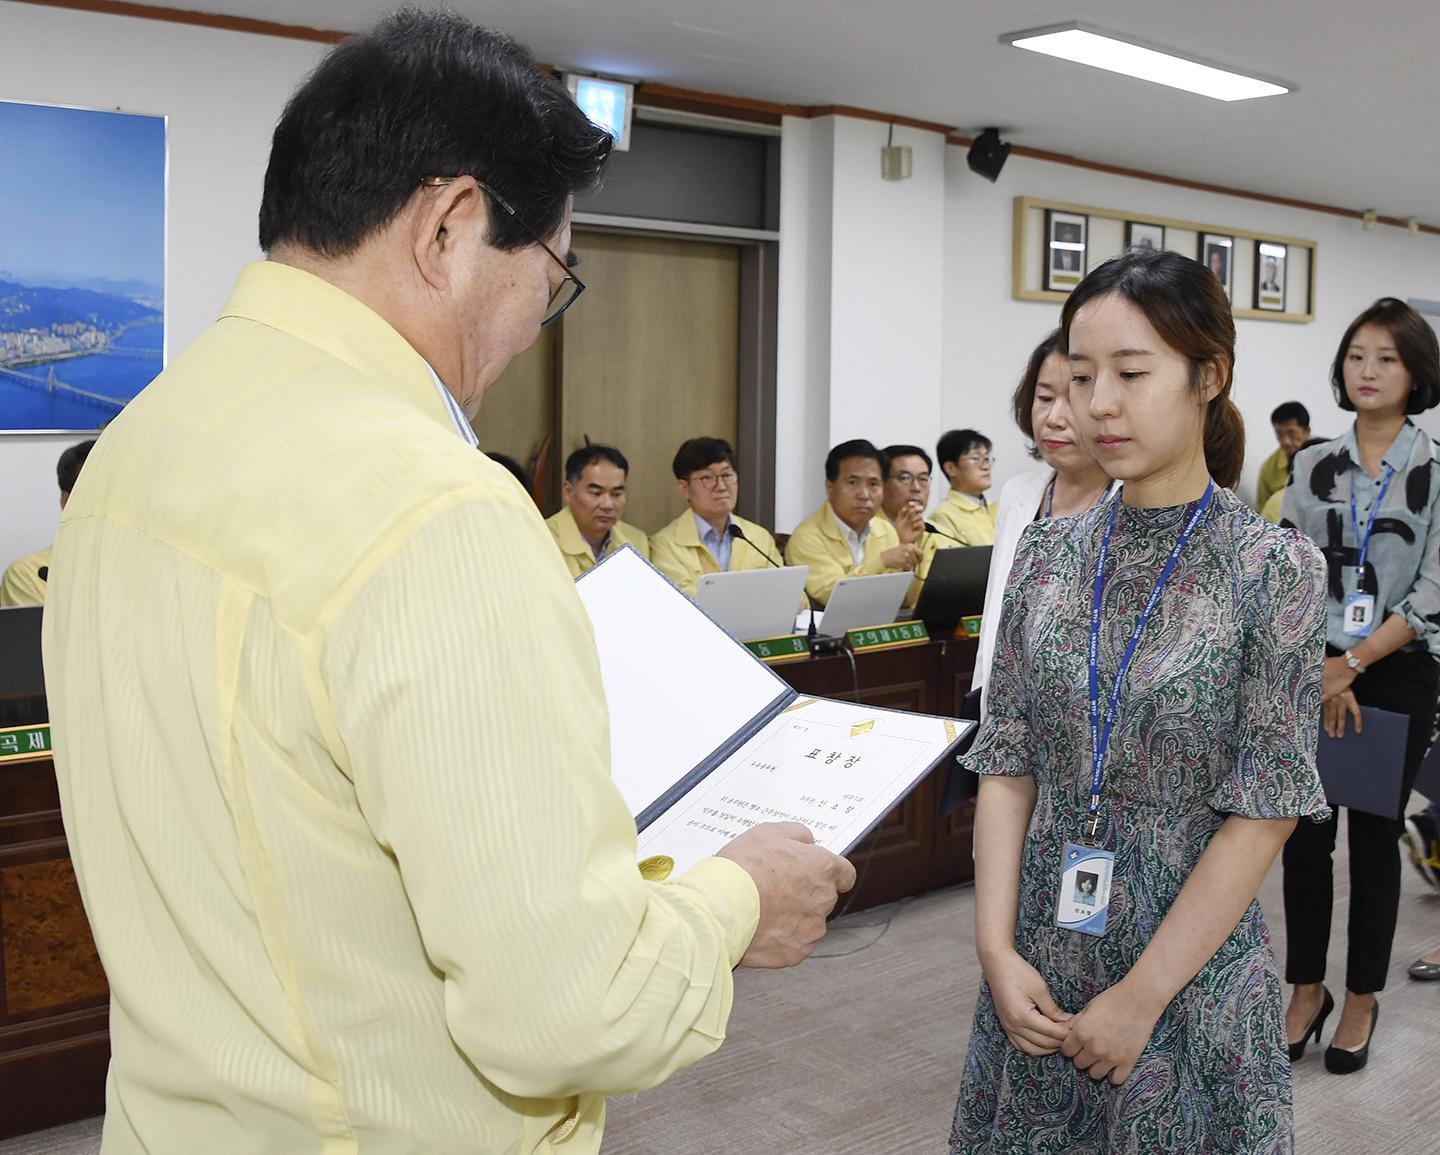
1181	182
716	104
202	19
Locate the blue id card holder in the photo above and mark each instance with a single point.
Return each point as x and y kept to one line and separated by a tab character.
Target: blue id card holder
1359	615
1084	898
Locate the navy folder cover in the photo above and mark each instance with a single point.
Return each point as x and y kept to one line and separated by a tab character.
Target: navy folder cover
1365	771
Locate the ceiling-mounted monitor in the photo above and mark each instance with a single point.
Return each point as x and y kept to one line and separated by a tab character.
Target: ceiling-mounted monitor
607	103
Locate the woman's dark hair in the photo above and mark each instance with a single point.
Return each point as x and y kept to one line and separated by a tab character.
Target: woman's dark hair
424	94
1187	306
700	453
1414	341
1023	402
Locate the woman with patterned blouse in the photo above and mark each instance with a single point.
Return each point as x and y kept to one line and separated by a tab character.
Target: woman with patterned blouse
1163	1032
1368	500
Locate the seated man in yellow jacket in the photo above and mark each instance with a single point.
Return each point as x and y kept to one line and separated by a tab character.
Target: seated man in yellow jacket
589	527
965	517
1291	422
702	539
25	581
844	538
907	494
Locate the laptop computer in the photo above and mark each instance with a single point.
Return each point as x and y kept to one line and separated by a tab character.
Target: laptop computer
754	603
954	588
857	602
22	675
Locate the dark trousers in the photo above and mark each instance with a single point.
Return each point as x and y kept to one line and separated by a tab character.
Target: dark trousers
1405	683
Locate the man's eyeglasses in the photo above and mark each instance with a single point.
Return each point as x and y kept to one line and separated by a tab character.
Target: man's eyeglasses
565	293
980	459
913	478
713	481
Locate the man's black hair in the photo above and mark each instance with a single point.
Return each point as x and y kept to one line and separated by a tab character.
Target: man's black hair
67	469
891	452
1291	411
424	94
857	448
588	455
515	468
700	453
957	443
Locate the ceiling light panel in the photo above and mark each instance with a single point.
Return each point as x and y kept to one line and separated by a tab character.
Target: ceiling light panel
1100	49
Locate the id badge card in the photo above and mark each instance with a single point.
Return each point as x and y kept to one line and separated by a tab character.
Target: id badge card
1084	900
1359	614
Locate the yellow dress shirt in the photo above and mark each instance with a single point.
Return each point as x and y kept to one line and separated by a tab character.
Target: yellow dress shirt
678	553
356	886
1274	473
817	542
961	516
578	553
23	584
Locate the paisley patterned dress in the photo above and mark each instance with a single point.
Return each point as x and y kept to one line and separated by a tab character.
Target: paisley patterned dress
1218	715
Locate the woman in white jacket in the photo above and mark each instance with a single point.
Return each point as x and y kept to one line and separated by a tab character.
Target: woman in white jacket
1069	482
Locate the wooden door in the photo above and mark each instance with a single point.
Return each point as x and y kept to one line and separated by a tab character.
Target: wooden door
649	356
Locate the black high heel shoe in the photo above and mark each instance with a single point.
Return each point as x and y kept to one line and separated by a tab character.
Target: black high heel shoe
1342	1062
1317	1024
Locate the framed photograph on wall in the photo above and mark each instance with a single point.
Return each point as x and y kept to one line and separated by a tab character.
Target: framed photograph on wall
1270	261
1217	253
1065	236
1139	235
82	243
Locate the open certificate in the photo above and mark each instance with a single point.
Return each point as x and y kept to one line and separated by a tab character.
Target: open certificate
707	741
838	767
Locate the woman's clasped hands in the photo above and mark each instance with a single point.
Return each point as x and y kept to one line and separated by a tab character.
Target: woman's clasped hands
1105	1039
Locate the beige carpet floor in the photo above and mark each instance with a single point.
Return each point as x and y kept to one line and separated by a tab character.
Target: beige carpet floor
860	1054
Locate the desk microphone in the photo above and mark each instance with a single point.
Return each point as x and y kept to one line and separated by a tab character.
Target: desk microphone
930	528
819	643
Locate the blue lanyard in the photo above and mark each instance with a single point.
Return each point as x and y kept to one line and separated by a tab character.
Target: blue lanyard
1100	740
1049	497
1364	543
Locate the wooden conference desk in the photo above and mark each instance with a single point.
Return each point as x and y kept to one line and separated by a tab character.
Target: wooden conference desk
913	849
54	1001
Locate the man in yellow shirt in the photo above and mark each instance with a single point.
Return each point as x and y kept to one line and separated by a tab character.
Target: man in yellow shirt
844	538
25	580
703	539
357	884
1291	422
588	526
907	494
965	517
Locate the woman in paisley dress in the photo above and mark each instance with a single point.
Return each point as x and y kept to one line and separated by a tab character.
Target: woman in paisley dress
1166	1033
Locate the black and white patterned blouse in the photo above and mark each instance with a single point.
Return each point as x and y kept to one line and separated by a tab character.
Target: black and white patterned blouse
1402	565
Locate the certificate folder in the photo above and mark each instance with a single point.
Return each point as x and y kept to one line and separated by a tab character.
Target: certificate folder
706	740
1365	771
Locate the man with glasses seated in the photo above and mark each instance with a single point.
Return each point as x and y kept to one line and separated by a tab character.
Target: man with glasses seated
965	517
701	540
844	538
589	525
907	493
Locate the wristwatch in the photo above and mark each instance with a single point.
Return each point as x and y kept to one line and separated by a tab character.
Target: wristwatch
1353	662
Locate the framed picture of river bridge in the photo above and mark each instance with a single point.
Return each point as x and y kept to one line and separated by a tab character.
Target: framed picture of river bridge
82	264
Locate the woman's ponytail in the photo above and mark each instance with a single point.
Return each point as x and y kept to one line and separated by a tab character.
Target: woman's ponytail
1224	440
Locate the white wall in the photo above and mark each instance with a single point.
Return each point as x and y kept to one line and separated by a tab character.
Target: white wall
989	335
223	92
861	297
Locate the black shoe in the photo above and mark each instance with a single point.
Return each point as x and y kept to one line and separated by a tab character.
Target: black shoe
1425	972
1342	1062
1317	1024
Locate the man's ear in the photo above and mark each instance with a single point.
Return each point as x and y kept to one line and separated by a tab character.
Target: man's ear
447	220
684	487
566	490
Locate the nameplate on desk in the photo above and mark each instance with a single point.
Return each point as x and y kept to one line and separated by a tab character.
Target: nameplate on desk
24	742
969	627
887	637
785	649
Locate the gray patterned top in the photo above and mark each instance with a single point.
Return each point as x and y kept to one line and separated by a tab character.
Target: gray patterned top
1218	716
1402	566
